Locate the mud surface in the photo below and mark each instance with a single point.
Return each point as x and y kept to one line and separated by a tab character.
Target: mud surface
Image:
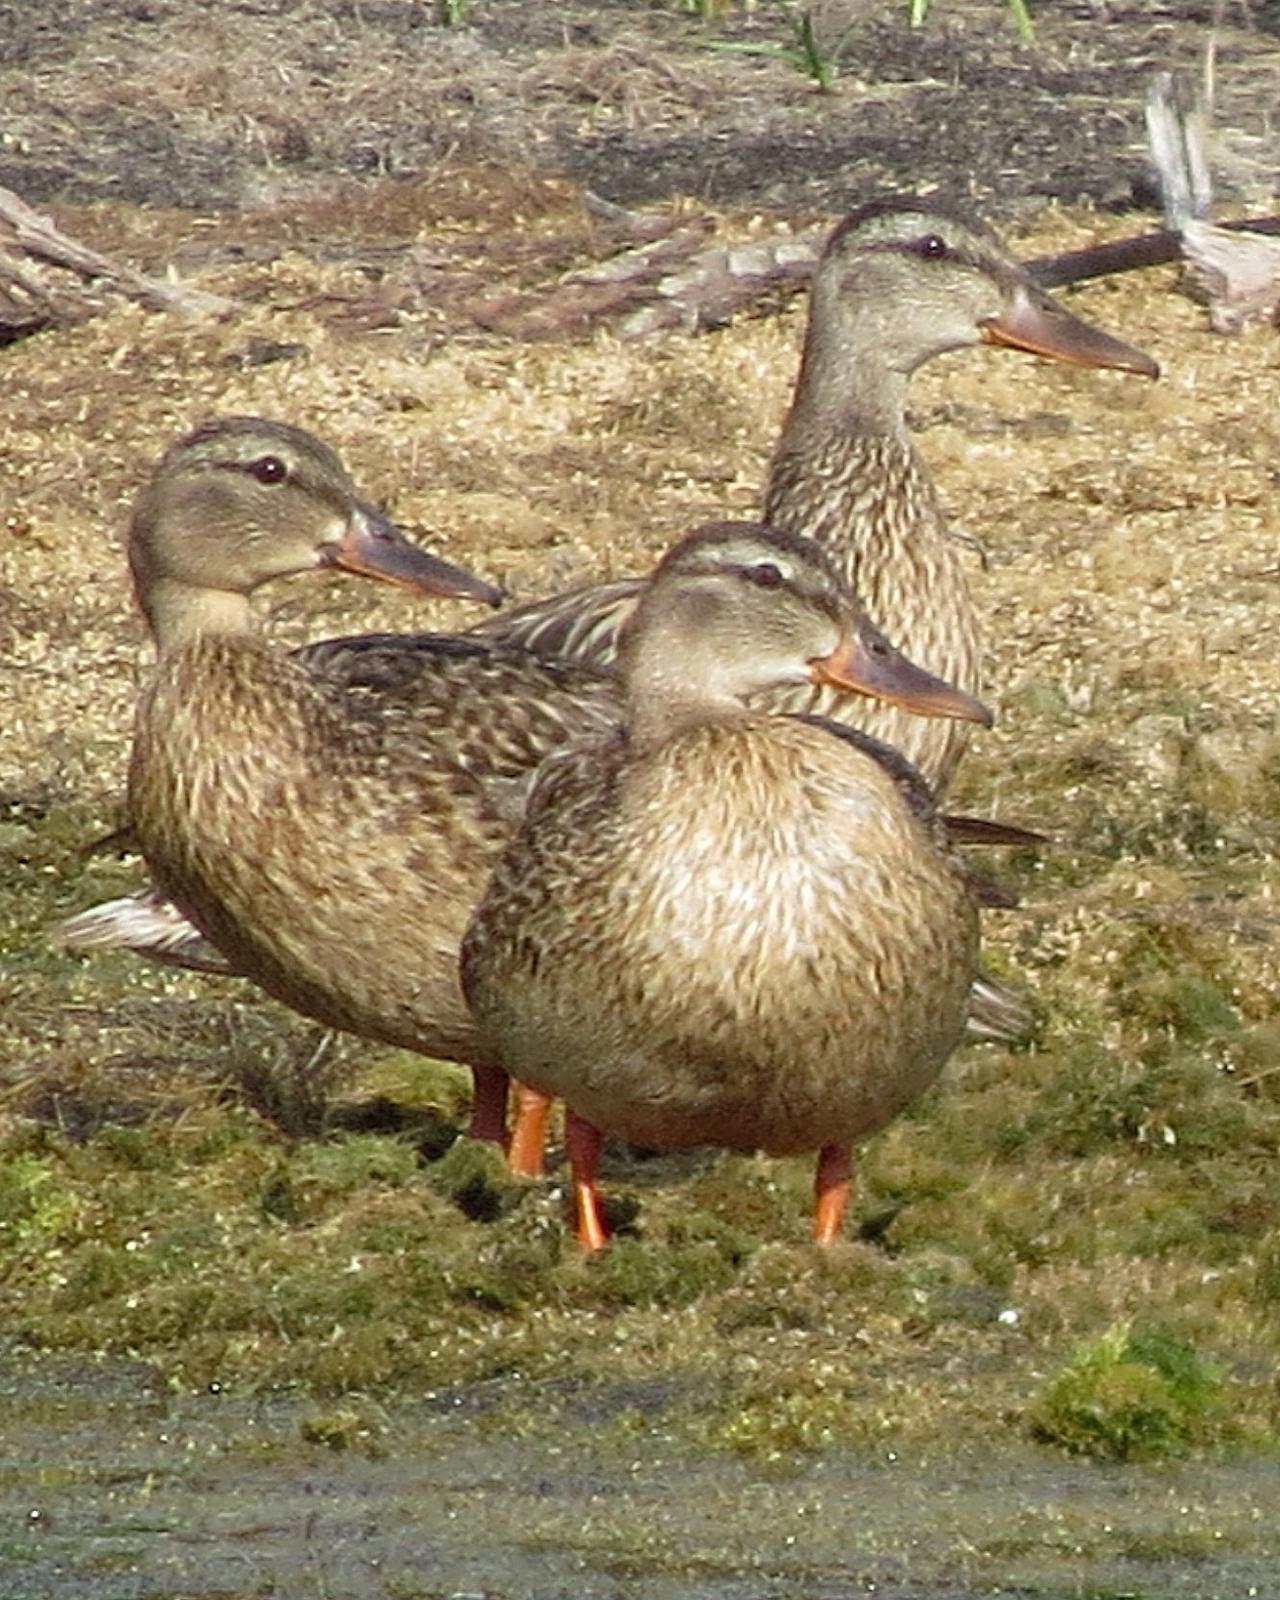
111	1489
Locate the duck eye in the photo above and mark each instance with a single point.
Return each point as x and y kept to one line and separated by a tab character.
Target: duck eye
765	574
932	246
268	469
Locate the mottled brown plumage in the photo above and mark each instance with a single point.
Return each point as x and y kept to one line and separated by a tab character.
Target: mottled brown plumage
720	926
898	283
326	820
330	850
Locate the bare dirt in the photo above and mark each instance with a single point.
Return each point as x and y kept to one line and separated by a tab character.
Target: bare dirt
172	104
249	1364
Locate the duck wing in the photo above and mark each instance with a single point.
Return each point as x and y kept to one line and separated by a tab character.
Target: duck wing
581	624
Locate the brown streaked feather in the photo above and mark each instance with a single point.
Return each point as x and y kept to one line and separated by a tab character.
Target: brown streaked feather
492	713
718	925
582	623
984	830
330	842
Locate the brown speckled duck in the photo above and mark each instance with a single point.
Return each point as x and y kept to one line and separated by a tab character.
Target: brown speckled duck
719	926
900	281
323	823
324	820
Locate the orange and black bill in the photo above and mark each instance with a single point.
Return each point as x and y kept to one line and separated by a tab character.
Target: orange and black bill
374	547
1036	322
871	666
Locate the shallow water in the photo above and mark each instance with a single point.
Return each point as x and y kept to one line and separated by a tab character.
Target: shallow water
112	1488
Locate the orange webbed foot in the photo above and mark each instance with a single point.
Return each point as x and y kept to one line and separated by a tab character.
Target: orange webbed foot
584	1143
527	1151
832	1187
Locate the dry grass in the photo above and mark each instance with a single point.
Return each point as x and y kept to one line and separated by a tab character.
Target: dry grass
1129	588
638	98
183	1179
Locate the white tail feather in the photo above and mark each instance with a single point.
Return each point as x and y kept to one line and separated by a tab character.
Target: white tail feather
147	924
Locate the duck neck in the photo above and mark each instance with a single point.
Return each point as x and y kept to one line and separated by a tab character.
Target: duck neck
675	680
180	613
846	385
657	716
846	474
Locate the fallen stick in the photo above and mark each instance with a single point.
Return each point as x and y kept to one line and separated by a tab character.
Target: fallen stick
35	236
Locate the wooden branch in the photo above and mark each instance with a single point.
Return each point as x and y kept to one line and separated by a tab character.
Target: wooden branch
677	282
714	284
670	277
1237	273
588	296
1235	269
719	281
25	236
1127	255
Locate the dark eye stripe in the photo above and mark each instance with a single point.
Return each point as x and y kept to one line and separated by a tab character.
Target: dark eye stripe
765	574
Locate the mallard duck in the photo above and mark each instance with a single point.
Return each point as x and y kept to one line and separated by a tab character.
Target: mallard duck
899	282
719	926
325	822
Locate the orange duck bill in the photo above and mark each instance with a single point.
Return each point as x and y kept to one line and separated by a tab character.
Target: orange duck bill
1035	322
868	664
372	546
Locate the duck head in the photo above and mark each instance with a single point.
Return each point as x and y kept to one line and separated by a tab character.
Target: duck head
903	280
738	607
241	501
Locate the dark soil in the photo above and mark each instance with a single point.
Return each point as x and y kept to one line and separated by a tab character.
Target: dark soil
170	102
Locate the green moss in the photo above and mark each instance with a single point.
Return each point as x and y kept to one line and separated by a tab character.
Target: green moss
148	1205
474	1176
780	1288
1132	1395
135	1147
776	1430
1041	699
101	1273
1266	1280
633	1273
35	1208
1170	977
417	1083
341	1166
345	1431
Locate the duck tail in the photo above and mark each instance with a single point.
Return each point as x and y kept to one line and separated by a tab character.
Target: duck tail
147	924
999	1014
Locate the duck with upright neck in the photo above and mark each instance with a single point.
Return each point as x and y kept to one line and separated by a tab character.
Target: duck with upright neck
323	821
899	282
718	926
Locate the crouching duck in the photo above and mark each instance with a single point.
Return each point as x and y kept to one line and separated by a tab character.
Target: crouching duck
322	821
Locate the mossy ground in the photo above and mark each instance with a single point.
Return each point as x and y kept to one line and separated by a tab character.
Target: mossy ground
1122	1171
